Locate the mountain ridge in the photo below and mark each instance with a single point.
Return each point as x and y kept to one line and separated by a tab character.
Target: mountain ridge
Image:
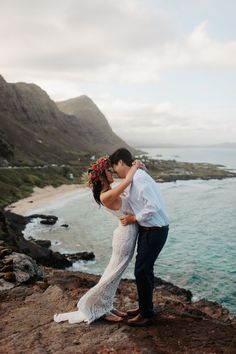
38	131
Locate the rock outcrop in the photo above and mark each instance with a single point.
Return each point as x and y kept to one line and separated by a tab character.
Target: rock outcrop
11	226
85	256
179	326
17	268
12	240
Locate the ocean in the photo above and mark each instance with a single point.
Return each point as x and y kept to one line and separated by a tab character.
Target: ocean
200	253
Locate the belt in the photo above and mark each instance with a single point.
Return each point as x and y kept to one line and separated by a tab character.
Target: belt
153	227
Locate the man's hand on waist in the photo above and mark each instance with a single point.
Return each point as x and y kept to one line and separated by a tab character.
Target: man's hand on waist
128	219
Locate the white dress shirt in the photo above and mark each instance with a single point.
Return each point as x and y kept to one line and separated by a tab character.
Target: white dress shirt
145	200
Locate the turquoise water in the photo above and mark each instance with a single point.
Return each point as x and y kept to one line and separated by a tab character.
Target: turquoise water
201	247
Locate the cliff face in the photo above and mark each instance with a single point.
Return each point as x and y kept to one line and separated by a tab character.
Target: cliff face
35	130
93	120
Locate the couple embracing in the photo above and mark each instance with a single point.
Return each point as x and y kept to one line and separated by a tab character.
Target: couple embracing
139	206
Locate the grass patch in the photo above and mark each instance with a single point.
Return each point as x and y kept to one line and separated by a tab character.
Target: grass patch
16	184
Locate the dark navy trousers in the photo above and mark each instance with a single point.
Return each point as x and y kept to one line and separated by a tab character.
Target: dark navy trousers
150	244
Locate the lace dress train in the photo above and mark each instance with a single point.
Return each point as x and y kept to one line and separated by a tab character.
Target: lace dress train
98	301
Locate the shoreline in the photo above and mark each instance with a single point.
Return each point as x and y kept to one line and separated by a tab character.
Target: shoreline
42	196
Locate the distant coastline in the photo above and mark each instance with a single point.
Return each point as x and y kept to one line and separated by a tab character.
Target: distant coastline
172	146
35	197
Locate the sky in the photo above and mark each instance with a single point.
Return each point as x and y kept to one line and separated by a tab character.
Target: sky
162	71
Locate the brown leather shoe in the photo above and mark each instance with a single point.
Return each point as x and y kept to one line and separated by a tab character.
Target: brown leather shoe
139	321
133	312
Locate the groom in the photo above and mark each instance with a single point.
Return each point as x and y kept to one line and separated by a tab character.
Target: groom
149	212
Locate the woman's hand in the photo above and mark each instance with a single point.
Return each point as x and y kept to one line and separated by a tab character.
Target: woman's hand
136	164
139	164
127	219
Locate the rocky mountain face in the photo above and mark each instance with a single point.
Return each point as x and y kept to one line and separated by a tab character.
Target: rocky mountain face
96	127
33	129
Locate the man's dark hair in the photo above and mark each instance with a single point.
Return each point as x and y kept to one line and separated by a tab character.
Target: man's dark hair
121	154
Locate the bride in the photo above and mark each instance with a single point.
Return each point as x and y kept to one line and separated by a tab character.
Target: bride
98	301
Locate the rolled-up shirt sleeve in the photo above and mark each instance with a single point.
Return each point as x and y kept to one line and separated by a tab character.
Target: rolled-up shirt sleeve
150	207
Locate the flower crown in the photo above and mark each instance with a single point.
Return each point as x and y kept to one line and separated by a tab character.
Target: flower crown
96	170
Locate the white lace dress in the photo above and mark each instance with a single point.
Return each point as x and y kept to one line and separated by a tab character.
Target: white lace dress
98	301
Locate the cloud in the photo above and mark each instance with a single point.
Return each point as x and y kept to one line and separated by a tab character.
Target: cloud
99	40
200	50
68	46
164	122
104	40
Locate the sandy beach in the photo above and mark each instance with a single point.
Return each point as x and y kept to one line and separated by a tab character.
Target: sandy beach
42	196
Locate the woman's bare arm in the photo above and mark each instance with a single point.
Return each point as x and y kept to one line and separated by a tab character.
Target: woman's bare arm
111	195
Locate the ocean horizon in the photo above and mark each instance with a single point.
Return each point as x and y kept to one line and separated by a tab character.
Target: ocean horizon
200	251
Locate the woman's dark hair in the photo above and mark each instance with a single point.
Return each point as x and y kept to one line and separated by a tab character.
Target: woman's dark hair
121	154
97	188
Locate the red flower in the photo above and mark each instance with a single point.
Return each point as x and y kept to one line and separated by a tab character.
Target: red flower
96	170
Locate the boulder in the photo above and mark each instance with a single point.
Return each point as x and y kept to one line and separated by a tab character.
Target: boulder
43	243
46	219
11	227
24	267
85	256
